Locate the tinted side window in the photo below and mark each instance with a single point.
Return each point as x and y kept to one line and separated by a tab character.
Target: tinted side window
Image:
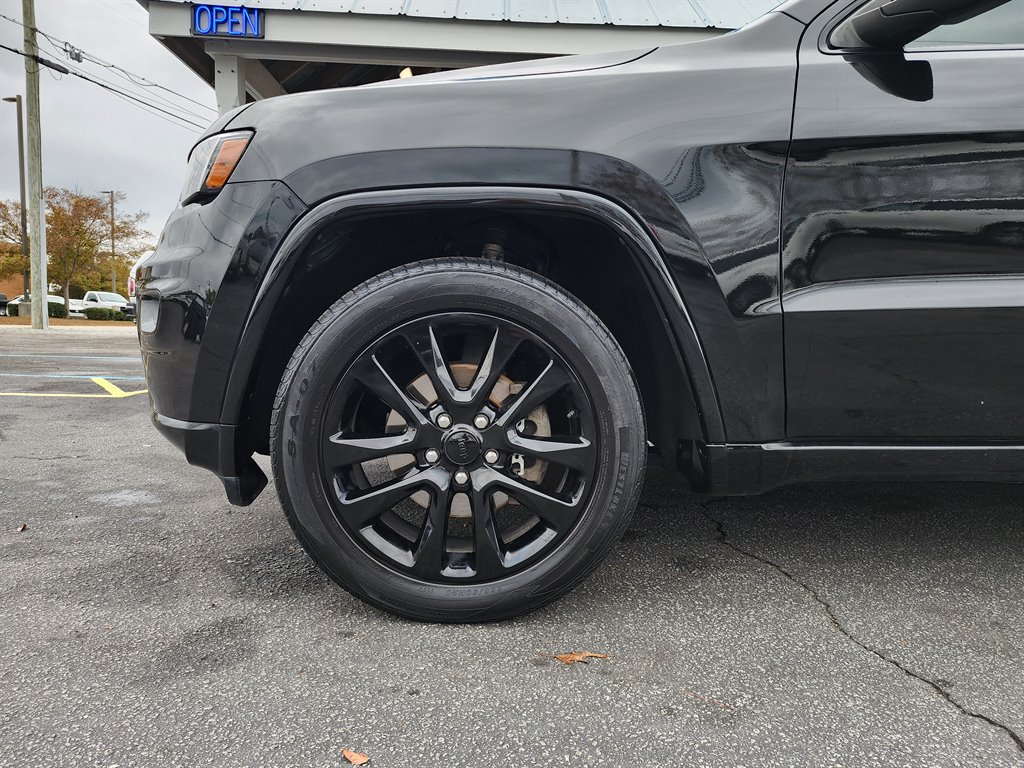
1002	25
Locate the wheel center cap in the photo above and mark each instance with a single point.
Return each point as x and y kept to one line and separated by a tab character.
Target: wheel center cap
462	448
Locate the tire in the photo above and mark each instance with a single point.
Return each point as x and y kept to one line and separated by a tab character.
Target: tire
495	511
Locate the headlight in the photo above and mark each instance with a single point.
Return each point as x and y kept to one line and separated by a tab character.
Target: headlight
211	164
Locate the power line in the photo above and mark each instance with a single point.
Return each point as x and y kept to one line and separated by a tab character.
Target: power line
64	70
136	79
134	20
141	96
164	100
154	114
142	81
138	98
70	51
151	108
40	60
167	102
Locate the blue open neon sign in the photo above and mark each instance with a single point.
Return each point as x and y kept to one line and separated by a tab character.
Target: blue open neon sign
226	21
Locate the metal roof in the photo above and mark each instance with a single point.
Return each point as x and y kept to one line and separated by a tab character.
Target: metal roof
720	14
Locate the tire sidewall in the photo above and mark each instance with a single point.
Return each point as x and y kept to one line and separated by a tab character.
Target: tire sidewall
378	307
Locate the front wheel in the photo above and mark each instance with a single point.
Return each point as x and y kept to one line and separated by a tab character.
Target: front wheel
458	440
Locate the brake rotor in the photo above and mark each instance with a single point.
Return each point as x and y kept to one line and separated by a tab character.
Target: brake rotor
536	424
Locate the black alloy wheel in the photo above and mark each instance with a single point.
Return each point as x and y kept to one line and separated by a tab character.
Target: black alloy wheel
458	441
450	445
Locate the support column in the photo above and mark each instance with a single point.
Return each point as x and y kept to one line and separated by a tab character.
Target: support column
229	81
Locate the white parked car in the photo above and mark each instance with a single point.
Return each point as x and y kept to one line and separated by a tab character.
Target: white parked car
108	300
13	304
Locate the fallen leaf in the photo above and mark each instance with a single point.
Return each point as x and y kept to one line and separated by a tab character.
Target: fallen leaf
22	527
578	656
356	758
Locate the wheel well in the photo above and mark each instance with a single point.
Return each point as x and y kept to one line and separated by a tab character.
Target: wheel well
584	256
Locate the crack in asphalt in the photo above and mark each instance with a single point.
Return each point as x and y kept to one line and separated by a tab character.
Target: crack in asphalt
834	620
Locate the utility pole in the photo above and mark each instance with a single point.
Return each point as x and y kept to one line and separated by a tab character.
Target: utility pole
113	263
16	100
36	208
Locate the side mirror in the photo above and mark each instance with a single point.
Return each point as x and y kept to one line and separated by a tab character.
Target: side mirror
888	25
892	73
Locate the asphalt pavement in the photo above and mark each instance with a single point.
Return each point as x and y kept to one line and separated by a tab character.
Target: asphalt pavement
145	622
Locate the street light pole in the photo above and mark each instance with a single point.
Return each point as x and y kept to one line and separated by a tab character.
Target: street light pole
113	263
16	100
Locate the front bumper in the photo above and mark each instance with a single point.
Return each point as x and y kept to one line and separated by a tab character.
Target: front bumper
194	295
213	447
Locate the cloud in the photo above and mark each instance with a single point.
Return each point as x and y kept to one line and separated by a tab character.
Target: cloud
92	139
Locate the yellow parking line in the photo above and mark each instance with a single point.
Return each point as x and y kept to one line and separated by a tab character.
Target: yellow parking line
52	394
113	391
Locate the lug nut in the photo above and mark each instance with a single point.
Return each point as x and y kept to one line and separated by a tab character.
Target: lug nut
461	477
480	421
444	420
431	456
491	456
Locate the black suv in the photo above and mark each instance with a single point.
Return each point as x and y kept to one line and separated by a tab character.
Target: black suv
460	311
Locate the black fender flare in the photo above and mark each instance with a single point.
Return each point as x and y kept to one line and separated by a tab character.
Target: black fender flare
639	241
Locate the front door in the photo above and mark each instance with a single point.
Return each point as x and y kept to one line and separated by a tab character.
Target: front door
903	236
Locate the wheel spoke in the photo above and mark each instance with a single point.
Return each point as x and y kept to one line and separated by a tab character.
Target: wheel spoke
499	352
488	556
552	510
361	507
341	451
431	547
428	350
371	374
576	453
549	381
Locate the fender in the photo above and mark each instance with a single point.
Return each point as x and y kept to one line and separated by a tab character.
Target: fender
741	350
712	212
647	255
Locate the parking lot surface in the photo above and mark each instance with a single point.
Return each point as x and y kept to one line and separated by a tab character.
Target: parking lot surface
145	622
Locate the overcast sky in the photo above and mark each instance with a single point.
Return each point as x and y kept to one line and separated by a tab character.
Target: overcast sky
92	139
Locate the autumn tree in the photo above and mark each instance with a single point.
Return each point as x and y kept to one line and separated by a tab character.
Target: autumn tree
78	228
75	226
77	239
130	241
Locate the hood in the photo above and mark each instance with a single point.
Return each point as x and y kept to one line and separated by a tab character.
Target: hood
621	105
552	66
555	65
